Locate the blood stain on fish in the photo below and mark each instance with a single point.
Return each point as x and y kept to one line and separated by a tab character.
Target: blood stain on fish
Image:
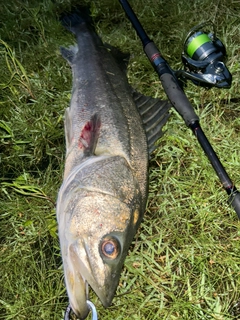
89	133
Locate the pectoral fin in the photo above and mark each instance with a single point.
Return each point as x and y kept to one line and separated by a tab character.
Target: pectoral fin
89	135
86	138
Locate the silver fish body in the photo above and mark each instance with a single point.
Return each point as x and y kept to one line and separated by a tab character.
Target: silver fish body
103	195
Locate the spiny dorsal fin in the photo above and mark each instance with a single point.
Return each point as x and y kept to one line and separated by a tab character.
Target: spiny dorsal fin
154	114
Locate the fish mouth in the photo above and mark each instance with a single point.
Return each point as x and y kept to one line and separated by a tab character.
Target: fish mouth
82	275
77	288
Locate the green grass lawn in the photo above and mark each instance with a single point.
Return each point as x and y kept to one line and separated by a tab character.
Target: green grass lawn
184	262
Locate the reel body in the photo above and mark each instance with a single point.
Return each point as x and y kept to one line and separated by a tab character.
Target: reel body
204	57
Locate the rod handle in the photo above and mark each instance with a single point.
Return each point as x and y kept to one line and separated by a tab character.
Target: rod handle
178	98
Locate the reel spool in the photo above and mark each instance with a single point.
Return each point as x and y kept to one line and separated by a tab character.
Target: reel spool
204	57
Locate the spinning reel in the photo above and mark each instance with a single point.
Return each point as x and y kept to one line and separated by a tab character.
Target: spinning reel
204	57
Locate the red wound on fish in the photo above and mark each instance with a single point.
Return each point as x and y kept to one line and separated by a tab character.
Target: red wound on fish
89	134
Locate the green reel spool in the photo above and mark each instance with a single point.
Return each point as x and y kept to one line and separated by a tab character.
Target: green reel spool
203	58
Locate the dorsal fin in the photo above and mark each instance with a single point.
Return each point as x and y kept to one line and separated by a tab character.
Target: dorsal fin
154	114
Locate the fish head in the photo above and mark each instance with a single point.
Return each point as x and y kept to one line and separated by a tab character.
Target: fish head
95	232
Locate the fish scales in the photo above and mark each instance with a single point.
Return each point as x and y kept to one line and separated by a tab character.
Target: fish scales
104	191
100	87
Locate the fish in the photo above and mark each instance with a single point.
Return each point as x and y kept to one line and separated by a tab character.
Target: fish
110	132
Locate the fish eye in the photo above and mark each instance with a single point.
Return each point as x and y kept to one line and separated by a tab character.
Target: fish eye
110	248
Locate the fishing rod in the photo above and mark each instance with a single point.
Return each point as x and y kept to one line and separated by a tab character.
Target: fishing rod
203	57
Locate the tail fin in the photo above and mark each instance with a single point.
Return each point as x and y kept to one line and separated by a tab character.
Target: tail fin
74	20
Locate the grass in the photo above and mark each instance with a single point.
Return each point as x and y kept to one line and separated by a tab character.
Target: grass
184	262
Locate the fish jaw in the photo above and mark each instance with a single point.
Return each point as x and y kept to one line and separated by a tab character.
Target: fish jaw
76	288
79	274
83	228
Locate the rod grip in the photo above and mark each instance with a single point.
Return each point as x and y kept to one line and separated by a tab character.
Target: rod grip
178	98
